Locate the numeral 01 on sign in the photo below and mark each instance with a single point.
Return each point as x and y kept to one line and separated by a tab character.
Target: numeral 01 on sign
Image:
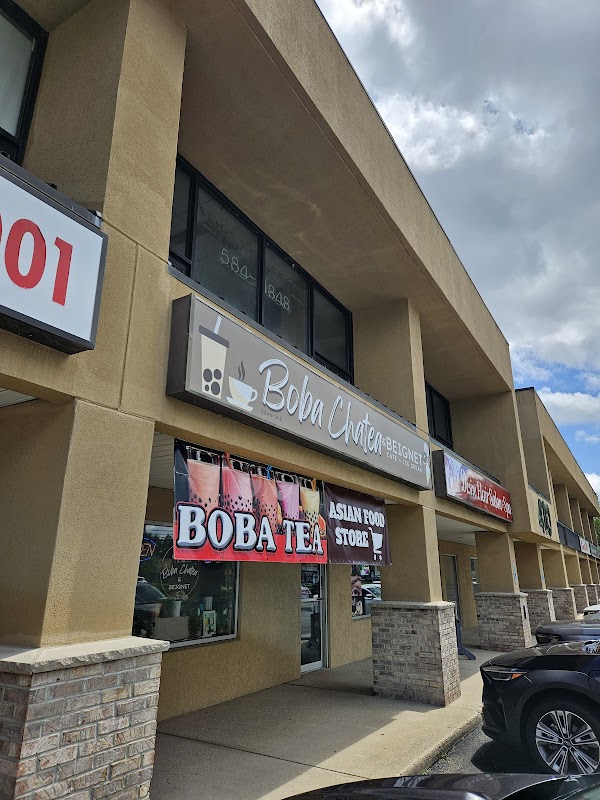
30	279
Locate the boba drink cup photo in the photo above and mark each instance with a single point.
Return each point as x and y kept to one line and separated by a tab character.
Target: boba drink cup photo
214	355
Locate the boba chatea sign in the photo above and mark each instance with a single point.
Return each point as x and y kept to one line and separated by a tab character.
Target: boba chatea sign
459	481
217	362
356	527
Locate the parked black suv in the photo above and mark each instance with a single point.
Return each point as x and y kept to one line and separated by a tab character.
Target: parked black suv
547	699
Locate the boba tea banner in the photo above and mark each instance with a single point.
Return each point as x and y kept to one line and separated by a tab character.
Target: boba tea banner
356	526
231	509
217	362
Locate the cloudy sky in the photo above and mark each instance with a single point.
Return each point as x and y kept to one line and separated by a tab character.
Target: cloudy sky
495	107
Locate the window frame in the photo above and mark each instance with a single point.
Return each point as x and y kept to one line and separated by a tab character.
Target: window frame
429	394
184	264
207	639
27	25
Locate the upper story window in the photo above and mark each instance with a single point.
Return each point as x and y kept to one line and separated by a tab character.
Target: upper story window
227	256
22	46
438	414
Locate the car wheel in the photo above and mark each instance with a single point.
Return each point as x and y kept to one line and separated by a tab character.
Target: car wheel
563	736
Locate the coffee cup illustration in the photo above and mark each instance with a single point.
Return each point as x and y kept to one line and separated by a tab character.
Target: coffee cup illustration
240	393
214	354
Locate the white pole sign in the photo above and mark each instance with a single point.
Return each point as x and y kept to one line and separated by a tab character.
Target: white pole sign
51	264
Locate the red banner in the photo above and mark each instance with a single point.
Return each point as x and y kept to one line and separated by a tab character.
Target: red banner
228	509
459	481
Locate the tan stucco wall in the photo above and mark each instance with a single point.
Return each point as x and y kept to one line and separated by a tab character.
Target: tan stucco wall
463	553
349	639
266	652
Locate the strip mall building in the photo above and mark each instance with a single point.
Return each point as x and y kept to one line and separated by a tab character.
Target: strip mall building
215	165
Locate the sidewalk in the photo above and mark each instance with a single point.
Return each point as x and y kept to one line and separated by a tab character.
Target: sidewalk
324	728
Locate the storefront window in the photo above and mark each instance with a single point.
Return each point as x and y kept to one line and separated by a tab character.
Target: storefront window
22	44
182	601
221	251
365	589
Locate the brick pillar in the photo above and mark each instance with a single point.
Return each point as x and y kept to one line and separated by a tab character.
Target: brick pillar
592	593
503	620
415	655
564	602
540	606
581	597
79	721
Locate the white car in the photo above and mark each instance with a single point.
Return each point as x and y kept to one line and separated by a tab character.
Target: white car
591	609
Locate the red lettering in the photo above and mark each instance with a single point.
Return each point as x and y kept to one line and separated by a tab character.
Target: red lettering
62	271
13	250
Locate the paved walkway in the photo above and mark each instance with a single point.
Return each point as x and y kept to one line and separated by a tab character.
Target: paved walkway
325	728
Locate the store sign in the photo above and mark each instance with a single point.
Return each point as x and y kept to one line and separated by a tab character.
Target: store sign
585	546
228	509
356	527
219	363
544	519
459	481
51	264
595	550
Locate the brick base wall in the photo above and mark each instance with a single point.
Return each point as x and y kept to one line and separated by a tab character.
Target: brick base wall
564	603
592	590
540	607
503	620
415	656
82	731
581	597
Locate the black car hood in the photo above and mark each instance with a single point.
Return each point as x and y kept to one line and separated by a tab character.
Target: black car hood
456	787
590	623
519	658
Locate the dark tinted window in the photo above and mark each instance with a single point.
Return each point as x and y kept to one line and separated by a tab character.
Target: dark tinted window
285	300
22	45
330	331
438	413
225	254
222	251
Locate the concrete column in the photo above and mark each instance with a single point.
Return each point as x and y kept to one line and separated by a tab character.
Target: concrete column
576	581
540	605
573	569
415	654
415	570
486	431
556	578
387	341
576	516
530	566
563	507
586	573
586	524
73	498
501	606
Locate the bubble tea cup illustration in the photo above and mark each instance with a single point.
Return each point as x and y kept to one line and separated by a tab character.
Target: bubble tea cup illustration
214	354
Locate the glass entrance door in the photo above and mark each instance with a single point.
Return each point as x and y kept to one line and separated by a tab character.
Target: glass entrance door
312	617
450	582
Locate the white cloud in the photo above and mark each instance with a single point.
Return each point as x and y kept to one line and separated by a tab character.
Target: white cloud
526	368
591	381
594	480
500	129
571	408
588	438
359	17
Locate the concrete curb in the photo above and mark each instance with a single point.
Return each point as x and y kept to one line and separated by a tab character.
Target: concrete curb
426	760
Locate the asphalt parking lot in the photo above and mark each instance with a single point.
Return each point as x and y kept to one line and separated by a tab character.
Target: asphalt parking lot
477	753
